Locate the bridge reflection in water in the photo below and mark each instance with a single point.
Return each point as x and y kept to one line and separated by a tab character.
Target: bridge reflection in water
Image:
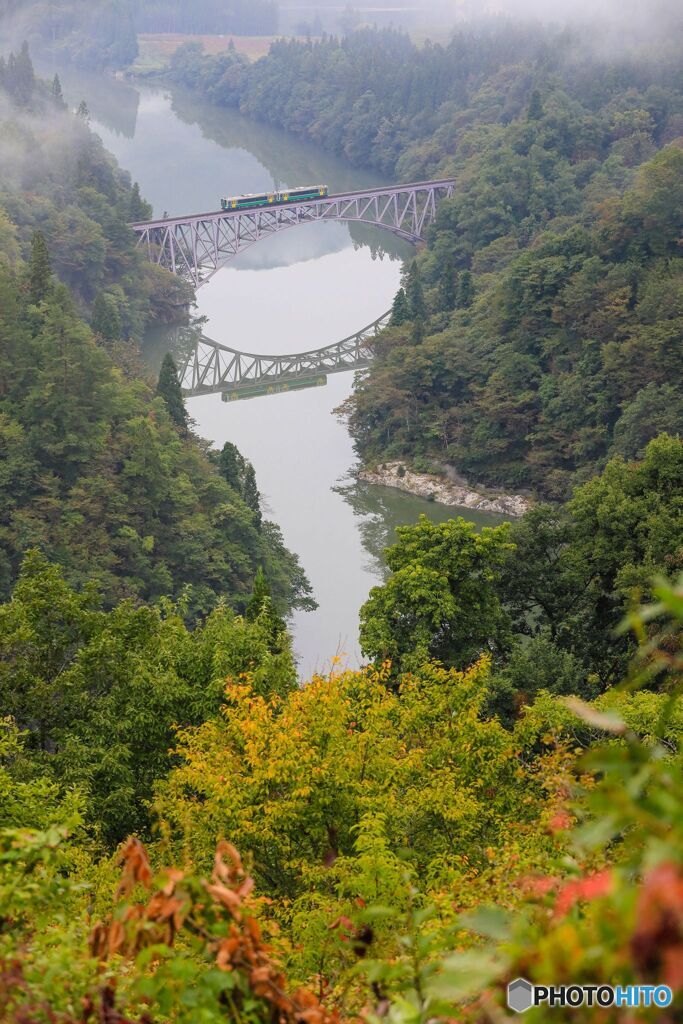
195	247
210	368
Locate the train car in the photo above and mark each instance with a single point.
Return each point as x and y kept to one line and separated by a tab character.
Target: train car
249	201
289	195
302	192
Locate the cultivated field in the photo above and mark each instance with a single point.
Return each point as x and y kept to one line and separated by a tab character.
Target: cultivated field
155	50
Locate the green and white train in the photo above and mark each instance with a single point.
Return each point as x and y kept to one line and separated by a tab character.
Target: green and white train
290	195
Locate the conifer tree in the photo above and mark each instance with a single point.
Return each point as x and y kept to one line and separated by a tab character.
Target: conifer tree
250	494
39	268
465	290
231	465
168	388
399	309
448	284
414	293
417	331
106	320
83	111
260	605
24	79
57	94
139	209
535	111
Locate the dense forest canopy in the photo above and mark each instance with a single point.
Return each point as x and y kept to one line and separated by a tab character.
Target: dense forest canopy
541	330
92	35
103	34
405	848
189	834
563	352
98	472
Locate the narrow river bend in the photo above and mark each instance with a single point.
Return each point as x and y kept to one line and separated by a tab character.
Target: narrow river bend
299	290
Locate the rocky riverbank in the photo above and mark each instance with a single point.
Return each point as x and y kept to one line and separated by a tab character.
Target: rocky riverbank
444	490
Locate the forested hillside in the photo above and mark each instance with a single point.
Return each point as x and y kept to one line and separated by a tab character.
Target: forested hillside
96	470
189	834
540	331
528	367
406	850
103	34
100	34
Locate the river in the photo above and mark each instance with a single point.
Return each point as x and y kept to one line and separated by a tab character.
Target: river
299	290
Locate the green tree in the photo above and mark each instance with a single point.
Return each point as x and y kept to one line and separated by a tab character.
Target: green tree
250	493
139	209
106	320
231	465
656	409
260	609
574	570
414	293
20	76
400	312
442	600
465	292
57	94
39	268
535	108
448	284
99	692
168	388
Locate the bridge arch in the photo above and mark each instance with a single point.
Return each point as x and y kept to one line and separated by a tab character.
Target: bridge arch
195	247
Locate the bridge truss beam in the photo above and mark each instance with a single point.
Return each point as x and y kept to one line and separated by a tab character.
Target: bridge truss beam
195	247
212	368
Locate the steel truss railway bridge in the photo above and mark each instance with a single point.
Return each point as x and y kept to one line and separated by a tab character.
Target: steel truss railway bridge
195	247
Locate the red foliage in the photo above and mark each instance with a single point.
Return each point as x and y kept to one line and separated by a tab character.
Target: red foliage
657	943
589	888
176	906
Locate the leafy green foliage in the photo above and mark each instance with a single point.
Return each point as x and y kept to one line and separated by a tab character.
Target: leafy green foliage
106	321
90	35
545	595
346	790
548	364
583	918
441	600
169	389
98	477
39	269
383	824
100	693
93	470
58	184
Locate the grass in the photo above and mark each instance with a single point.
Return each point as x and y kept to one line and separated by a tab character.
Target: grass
155	50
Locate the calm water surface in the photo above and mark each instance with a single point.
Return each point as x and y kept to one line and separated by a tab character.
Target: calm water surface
302	289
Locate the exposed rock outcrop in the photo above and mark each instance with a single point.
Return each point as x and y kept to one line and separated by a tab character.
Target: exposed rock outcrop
443	490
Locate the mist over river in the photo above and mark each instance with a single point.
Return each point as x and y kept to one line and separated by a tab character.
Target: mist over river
302	289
